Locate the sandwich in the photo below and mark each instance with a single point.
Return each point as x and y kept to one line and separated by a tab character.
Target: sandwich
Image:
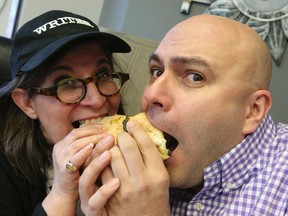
117	123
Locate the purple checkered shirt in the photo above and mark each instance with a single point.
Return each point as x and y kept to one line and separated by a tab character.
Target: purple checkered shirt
251	179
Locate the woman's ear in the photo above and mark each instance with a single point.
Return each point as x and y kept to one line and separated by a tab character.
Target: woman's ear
259	104
21	99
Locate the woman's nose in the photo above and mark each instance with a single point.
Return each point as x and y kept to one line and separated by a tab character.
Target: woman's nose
93	96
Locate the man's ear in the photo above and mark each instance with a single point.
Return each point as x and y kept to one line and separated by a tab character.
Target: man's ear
259	104
21	99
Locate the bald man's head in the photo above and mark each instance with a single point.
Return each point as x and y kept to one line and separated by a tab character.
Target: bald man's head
226	42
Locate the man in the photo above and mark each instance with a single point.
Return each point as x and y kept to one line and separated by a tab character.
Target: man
209	90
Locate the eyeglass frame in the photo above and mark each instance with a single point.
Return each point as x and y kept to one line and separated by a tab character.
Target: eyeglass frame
52	91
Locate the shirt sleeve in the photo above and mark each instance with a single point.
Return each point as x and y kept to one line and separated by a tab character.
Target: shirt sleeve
17	197
39	211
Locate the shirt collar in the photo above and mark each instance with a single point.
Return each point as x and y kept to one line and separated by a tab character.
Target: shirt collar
235	167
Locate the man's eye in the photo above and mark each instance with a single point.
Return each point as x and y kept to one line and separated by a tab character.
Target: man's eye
195	77
156	73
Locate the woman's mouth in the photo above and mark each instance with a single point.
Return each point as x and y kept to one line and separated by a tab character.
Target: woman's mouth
76	124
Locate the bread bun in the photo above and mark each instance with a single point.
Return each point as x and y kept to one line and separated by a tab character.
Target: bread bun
117	123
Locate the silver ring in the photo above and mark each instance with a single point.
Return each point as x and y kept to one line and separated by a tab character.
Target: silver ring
70	167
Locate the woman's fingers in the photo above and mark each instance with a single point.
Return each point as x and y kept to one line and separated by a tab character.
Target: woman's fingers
80	157
106	143
96	204
118	163
87	182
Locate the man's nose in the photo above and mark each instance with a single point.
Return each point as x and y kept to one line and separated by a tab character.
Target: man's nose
158	93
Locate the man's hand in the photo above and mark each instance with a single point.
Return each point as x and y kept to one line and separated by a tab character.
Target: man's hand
135	183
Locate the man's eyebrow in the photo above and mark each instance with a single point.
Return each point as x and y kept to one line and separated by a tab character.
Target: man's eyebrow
154	57
195	60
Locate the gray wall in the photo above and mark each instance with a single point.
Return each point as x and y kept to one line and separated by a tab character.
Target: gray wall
152	19
32	8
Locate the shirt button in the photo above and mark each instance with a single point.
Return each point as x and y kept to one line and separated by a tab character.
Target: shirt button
198	206
229	185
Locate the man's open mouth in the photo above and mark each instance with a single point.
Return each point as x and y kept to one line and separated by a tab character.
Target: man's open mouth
171	142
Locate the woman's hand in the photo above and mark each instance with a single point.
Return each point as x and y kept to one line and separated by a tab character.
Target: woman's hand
94	197
144	188
96	163
76	147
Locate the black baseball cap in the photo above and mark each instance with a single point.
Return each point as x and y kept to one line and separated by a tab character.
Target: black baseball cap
43	36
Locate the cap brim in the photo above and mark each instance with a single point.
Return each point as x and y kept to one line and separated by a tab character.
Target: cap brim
115	43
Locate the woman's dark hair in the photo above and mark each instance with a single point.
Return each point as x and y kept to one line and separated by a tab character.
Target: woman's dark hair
21	138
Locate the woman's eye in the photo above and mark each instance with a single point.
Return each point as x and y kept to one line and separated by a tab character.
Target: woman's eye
156	73
66	82
195	77
69	83
102	74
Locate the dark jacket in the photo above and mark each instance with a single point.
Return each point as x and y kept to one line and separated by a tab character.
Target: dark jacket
17	196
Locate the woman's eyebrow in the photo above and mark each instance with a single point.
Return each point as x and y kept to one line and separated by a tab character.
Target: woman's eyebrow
68	68
60	67
102	61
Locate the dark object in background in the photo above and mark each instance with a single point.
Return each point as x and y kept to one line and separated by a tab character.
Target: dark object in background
5	51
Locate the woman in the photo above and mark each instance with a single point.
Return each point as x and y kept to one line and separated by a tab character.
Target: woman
62	72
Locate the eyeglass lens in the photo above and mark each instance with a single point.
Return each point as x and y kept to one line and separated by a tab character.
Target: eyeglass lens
73	90
70	91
